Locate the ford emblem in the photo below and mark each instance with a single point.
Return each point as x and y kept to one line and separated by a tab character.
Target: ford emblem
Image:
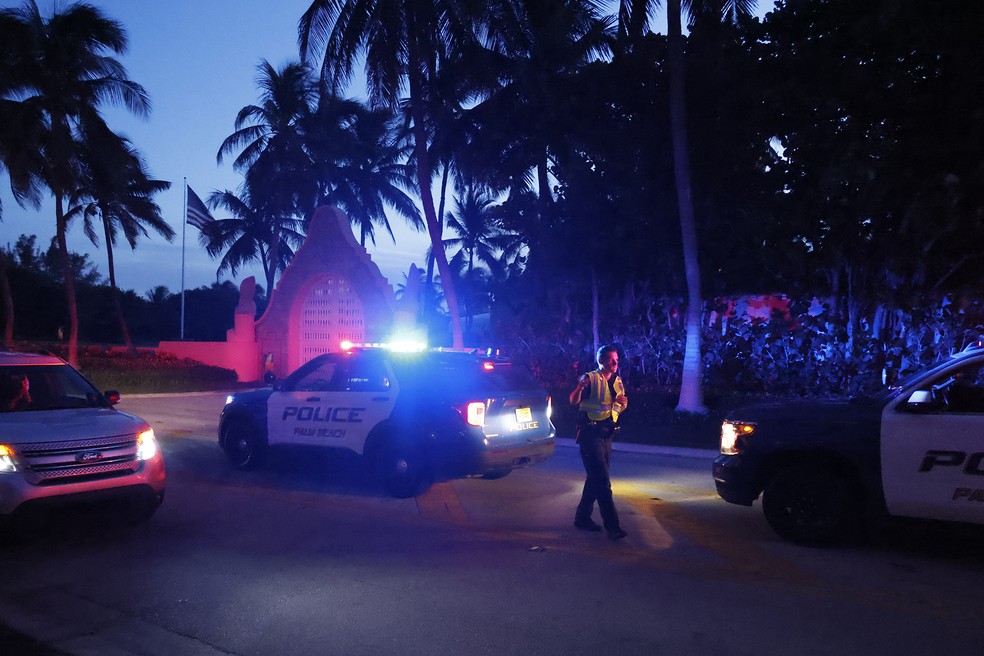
88	456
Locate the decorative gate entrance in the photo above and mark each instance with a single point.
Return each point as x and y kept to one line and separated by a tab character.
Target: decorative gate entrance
331	312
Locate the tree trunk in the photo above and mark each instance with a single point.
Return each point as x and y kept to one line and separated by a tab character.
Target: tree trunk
429	287
594	309
8	302
691	389
274	257
73	310
426	196
124	329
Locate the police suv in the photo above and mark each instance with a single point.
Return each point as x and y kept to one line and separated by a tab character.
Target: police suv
62	442
415	416
914	450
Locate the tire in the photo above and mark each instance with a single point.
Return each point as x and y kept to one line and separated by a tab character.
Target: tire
401	470
808	505
243	444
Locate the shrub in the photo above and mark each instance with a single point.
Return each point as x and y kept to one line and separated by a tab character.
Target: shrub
145	371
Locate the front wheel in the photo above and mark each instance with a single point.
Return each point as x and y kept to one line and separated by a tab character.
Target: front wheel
808	505
243	444
401	469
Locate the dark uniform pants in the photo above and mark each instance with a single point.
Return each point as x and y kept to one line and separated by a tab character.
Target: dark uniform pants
595	443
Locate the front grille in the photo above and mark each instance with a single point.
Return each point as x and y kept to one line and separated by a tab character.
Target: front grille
59	463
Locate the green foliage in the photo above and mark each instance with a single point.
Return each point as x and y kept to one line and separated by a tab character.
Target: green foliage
148	371
806	353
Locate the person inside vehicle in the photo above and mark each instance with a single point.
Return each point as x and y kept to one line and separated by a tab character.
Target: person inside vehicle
966	392
16	393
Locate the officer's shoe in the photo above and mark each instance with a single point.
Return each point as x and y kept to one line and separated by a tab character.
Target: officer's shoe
617	534
587	525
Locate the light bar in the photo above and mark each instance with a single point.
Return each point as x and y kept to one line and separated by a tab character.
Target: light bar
397	346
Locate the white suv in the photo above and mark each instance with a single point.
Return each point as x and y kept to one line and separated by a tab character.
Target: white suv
61	441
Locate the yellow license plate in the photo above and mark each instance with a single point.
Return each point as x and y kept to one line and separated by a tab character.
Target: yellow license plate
523	415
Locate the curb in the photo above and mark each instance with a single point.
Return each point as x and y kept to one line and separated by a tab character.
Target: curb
677	451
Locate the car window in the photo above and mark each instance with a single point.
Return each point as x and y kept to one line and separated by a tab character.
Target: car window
48	387
365	375
318	379
961	390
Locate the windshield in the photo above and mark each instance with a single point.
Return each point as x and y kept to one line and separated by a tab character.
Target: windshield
25	388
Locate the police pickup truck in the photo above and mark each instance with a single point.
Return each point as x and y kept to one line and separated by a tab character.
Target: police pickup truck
415	416
914	450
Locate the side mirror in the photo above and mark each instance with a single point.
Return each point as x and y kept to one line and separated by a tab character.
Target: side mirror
112	396
922	401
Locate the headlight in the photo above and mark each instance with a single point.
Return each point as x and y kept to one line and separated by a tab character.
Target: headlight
146	445
733	434
7	459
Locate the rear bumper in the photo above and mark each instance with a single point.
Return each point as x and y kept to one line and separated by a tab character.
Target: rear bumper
500	457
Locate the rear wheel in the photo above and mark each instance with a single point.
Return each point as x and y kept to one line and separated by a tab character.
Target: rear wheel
808	505
243	444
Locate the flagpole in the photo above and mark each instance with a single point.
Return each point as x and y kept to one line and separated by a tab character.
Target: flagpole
184	222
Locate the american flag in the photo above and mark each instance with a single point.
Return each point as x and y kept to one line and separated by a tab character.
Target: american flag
198	214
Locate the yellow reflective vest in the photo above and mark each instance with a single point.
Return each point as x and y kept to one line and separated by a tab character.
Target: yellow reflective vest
600	405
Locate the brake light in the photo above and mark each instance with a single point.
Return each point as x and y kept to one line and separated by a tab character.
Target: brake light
474	413
488	366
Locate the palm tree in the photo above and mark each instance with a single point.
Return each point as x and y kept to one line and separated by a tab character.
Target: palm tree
481	237
481	241
272	154
691	388
63	77
532	49
157	295
116	187
250	236
402	41
363	166
632	25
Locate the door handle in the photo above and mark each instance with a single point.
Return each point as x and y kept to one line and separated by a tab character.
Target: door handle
313	399
380	398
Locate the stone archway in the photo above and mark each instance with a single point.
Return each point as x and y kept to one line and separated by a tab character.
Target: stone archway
332	289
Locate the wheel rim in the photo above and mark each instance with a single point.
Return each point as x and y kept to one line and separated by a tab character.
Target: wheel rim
242	450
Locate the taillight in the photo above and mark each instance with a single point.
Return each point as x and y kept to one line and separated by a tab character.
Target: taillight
474	413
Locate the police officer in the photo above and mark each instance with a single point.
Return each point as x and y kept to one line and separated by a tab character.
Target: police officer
600	397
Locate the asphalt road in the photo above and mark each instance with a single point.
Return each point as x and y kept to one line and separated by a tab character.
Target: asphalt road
306	556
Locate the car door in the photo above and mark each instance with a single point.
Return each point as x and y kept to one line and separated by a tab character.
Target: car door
932	447
297	411
334	401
